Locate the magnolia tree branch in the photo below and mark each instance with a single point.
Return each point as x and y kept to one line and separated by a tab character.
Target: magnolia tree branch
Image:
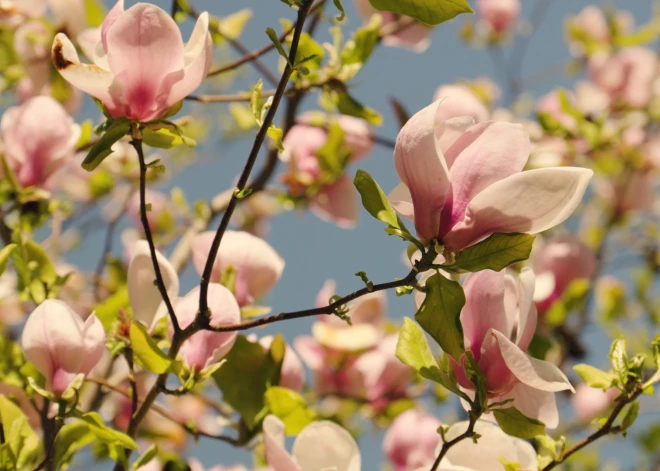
258	141
447	445
606	429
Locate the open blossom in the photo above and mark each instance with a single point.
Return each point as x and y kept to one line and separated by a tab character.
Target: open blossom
463	181
411	440
141	66
257	266
627	75
206	347
557	264
60	344
457	101
499	320
37	138
144	295
415	37
321	445
499	15
292	375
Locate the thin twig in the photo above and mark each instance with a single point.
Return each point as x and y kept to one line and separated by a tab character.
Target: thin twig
447	445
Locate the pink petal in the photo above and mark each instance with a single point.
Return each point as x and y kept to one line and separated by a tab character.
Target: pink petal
337	203
276	455
310	352
325	445
401	201
449	131
459	100
421	166
484	154
293	374
113	15
411	440
526	315
94	343
538	374
534	403
530	202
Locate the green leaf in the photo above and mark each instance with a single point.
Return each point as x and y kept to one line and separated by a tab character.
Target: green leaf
595	378
333	156
256	100
230	26
290	407
515	423
71	438
476	377
495	253
309	52
431	12
104	433
340	7
164	134
5	253
146	457
276	135
346	104
439	314
117	129
246	376
630	417
146	352
108	311
22	440
375	201
357	51
278	45
94	13
619	358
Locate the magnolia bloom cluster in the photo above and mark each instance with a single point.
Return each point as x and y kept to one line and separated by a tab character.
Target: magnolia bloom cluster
356	361
334	200
498	15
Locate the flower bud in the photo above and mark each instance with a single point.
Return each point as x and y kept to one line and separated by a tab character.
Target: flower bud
411	440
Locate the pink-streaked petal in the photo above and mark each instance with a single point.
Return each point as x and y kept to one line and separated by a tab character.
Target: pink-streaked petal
325	445
484	154
337	203
419	162
91	79
538	374
113	15
416	38
94	343
276	455
530	202
534	403
401	201
198	57
449	131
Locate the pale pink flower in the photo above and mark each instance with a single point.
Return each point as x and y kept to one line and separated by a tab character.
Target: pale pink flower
257	265
30	47
557	264
293	374
589	402
499	320
207	347
499	15
627	76
591	22
411	440
550	104
321	445
415	37
462	182
22	8
37	138
160	206
196	465
590	99
60	344
141	66
457	101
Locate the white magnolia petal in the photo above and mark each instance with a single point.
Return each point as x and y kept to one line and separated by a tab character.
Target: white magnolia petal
326	445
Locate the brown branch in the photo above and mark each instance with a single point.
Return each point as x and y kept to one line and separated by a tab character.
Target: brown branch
447	445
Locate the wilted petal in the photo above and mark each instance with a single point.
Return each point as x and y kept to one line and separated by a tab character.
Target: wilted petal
325	445
276	455
337	203
530	202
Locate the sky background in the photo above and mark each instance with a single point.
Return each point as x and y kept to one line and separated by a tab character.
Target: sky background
316	251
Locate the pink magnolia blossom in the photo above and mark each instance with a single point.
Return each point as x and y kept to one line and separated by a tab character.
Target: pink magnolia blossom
411	440
141	66
499	320
557	264
590	402
257	265
144	295
159	208
415	37
293	374
591	21
627	76
37	137
550	104
196	465
499	15
457	101
463	181
206	347
60	344
321	445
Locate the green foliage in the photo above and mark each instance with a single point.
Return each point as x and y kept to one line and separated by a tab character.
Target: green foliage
357	51
5	253
515	423
338	98
146	352
114	130
36	273
290	407
247	375
108	311
94	13
476	377
439	314
431	12
165	134
230	26
495	253
340	7
146	457
103	433
272	35
71	438
334	155
595	378
22	445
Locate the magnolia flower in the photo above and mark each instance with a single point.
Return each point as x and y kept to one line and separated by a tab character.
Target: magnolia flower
589	402
206	347
627	76
557	265
499	320
591	22
321	445
141	67
457	101
463	182
292	375
550	104
143	294
414	36
499	15
411	440
159	208
256	264
196	465
60	344
37	137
